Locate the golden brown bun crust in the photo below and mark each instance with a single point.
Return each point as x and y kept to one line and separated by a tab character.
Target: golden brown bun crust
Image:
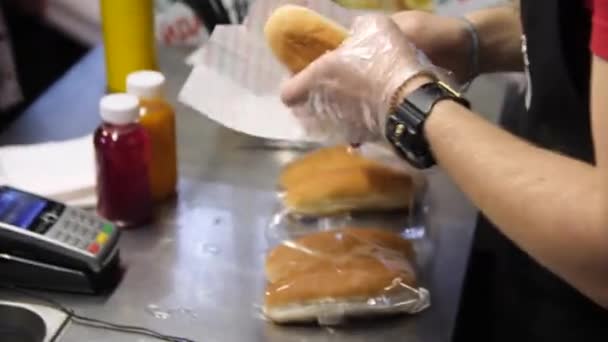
341	264
298	36
368	186
321	160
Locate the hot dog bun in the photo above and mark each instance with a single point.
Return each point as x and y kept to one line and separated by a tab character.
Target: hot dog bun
319	161
362	188
298	36
338	270
337	179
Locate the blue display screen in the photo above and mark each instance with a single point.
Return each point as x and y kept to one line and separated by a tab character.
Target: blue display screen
20	209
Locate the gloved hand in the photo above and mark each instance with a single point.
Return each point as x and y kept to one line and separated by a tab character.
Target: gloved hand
344	96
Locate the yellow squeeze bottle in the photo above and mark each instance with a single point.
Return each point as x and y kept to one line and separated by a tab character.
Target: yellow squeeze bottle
128	37
158	118
393	5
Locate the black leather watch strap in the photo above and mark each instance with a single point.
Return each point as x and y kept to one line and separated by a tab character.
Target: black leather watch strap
405	125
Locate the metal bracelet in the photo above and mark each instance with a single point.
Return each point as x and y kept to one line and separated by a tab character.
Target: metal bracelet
474	54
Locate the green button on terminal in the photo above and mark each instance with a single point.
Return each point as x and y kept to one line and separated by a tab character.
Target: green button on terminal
107	228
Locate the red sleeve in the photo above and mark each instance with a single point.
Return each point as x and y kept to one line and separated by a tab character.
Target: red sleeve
599	32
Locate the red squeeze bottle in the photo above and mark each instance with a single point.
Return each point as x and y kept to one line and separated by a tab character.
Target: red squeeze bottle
123	154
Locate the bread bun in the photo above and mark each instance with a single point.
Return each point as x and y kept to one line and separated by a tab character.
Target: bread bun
296	256
317	162
345	267
298	36
363	187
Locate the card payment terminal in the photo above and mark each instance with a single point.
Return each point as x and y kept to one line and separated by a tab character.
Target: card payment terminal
46	244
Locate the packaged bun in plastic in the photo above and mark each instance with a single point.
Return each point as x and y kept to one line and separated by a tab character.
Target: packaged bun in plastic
365	187
339	179
341	186
328	277
320	160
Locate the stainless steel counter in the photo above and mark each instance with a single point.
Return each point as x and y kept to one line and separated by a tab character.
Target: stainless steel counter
197	272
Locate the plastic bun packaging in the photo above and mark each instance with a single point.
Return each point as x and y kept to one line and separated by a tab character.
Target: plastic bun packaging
330	276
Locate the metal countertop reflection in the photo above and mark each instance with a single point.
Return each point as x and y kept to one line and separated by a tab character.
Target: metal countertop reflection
197	271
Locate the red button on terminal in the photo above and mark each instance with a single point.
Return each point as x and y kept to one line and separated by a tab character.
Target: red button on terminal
93	248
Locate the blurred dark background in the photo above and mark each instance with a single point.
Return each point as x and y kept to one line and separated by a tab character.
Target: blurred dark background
42	53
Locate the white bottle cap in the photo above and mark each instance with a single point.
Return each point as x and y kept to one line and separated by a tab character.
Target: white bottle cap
146	84
119	109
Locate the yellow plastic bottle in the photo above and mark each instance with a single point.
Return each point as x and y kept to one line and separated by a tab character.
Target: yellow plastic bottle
392	5
367	4
128	36
423	5
158	118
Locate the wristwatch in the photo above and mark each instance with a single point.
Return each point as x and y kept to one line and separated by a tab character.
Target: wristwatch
405	123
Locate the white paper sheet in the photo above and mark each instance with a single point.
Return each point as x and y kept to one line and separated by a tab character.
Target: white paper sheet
236	78
63	171
261	116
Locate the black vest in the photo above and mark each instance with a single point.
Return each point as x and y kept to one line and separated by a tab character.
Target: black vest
507	295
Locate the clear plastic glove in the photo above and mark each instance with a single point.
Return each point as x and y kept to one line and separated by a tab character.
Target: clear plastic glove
344	96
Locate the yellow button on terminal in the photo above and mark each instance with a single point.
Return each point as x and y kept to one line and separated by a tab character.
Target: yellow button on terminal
102	238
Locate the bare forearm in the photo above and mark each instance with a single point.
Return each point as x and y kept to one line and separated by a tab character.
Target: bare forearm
499	31
448	42
599	105
546	203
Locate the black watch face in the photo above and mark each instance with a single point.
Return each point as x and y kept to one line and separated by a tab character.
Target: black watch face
408	144
405	127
